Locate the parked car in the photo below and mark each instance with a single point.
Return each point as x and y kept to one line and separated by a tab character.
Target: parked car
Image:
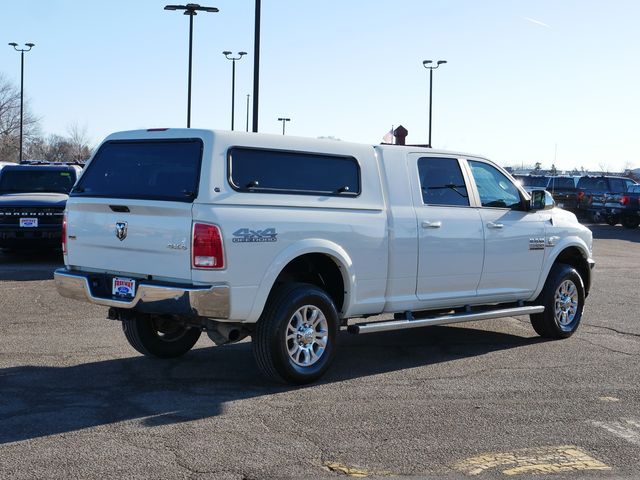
564	191
32	202
625	207
592	191
285	239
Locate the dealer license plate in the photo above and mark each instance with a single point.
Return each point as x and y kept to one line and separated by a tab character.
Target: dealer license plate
123	287
28	222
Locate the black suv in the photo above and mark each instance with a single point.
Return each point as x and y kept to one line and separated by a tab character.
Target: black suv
592	192
32	202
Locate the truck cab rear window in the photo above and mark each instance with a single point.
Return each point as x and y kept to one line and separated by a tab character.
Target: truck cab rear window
154	170
275	171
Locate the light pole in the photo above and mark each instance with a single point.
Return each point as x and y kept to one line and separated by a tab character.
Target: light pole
427	64
248	96
22	50
228	56
283	120
190	9
256	65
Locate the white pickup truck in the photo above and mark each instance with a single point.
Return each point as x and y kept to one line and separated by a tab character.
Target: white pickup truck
181	231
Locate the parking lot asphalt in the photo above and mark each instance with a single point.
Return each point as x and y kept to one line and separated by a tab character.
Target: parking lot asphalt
486	399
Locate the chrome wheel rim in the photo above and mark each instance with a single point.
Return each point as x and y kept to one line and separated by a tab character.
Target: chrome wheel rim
566	303
307	335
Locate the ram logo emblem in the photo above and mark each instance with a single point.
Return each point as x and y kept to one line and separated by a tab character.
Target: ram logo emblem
121	230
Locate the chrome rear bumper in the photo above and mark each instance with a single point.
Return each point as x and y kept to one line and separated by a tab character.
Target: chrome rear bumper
205	301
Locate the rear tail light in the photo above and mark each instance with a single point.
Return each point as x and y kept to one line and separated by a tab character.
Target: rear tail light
580	195
206	249
64	233
625	200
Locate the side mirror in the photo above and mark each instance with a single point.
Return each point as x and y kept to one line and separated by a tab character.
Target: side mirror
541	200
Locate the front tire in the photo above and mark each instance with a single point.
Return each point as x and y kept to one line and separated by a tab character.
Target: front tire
563	299
295	338
158	336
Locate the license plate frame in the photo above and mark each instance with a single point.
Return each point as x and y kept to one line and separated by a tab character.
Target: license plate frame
28	222
123	287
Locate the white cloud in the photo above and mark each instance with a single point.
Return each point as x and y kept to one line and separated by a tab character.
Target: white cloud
537	22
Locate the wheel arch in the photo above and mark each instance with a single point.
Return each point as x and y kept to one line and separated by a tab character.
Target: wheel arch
318	262
578	258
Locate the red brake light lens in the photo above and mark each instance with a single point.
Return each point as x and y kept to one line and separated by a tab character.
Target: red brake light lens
580	195
64	233
207	250
625	200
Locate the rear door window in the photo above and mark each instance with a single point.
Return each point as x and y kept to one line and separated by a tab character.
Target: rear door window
442	182
617	185
154	170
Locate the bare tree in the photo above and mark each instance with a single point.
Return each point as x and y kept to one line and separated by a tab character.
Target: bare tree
79	142
10	121
604	168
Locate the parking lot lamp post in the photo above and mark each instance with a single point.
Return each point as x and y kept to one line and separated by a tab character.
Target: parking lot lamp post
190	9
283	120
428	64
256	64
228	56
22	50
248	96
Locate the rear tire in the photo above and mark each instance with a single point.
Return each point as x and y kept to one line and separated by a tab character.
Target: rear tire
630	222
594	217
295	338
612	220
158	336
563	299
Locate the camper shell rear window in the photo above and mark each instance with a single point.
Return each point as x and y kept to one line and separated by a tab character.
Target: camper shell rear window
144	169
259	170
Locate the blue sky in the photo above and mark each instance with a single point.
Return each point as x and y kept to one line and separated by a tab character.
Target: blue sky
525	81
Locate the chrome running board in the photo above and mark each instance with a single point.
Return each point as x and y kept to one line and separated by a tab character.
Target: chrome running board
443	319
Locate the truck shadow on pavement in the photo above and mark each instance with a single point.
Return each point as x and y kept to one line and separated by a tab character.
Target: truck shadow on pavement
41	401
29	265
607	232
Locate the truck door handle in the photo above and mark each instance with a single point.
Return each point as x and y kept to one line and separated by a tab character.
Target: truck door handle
495	225
426	224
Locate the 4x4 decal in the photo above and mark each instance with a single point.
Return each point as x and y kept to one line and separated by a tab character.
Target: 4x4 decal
246	235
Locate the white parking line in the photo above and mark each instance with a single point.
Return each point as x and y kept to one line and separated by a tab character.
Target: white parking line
629	429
